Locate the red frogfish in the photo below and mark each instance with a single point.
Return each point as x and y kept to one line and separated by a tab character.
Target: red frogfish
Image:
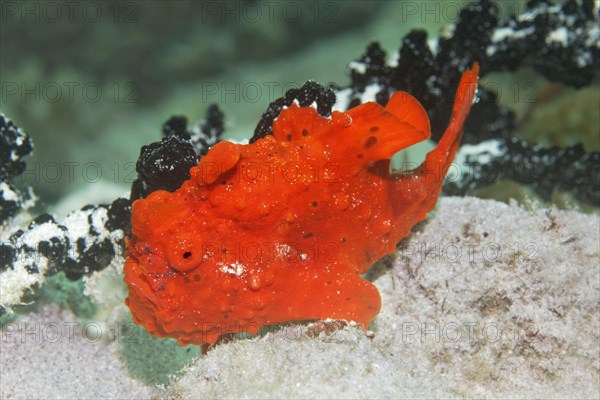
280	230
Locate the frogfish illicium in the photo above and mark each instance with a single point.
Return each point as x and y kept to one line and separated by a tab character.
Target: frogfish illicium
281	229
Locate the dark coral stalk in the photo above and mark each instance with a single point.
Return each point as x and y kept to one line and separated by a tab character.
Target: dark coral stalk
14	146
87	240
165	164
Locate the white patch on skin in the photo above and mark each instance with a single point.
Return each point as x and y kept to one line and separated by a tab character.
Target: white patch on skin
283	250
235	268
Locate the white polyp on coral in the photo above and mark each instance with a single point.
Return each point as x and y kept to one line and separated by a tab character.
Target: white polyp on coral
8	194
83	228
15	282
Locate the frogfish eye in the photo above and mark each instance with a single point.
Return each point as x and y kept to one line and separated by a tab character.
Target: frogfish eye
184	253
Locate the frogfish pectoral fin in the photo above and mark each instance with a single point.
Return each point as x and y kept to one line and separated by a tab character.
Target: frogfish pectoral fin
330	294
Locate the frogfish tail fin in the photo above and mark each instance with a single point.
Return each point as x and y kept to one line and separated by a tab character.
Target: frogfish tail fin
439	159
448	145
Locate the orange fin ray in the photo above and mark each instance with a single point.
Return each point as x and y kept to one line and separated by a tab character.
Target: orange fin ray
377	133
448	144
408	109
438	160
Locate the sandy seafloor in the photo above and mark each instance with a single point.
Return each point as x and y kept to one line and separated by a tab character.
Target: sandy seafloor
483	300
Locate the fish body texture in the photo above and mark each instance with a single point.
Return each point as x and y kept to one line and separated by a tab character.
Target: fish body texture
281	229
